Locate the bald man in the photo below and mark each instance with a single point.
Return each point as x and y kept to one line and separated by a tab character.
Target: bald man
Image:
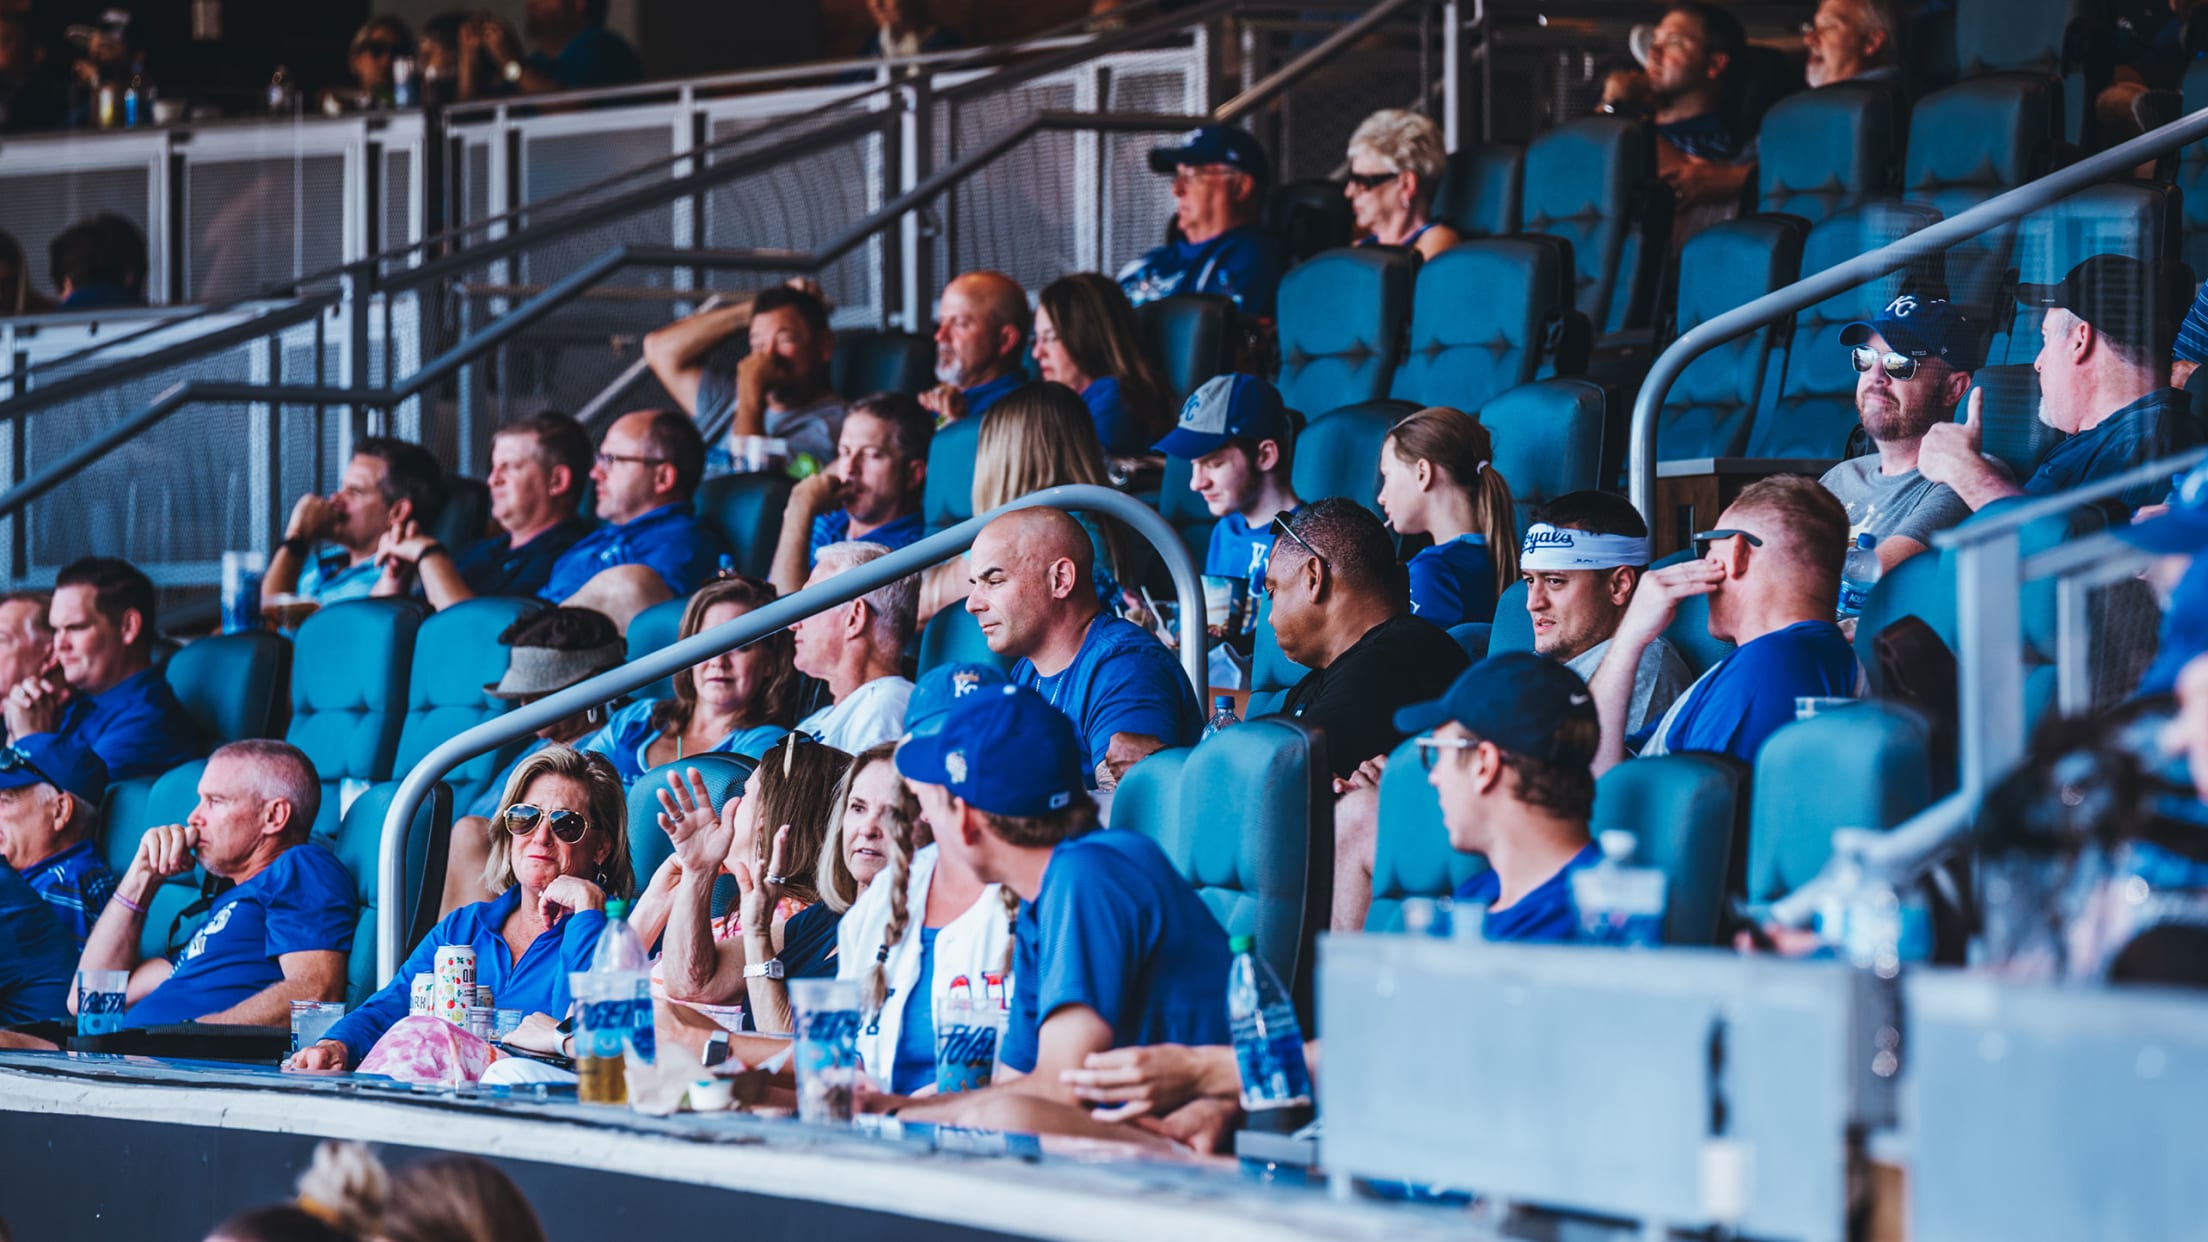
1035	597
980	331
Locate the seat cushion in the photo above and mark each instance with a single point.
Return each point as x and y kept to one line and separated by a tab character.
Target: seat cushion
1341	322
457	653
1480	319
1824	150
746	511
1480	192
234	685
350	668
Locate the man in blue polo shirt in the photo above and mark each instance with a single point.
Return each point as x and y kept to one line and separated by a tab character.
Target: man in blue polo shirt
1035	599
649	546
980	333
1239	442
538	466
2104	381
40	960
50	792
1219	177
103	689
871	492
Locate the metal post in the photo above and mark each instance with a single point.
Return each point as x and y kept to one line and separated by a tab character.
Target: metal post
2073	652
1988	579
916	159
1452	75
1487	70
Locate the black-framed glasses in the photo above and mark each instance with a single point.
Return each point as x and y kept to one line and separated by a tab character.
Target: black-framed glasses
610	460
15	759
569	826
1897	366
1430	748
1369	182
1703	541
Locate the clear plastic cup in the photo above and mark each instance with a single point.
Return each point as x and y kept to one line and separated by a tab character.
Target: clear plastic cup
827	1053
102	995
966	1033
312	1020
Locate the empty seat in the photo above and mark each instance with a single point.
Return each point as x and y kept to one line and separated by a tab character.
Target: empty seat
456	654
1712	404
1481	189
1179	504
1682	809
1825	150
649	845
746	511
466	516
1192	336
1308	217
1339	453
1411	854
656	627
359	846
2134	218
2068	39
952	636
1593	183
947	498
233	684
350	665
1548	440
1857	767
1482	315
1342	317
1968	143
870	361
1513	625
135	806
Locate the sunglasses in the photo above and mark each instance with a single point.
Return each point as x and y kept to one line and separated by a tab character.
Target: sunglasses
1703	541
568	826
1371	181
1280	528
13	759
1898	366
1430	748
377	48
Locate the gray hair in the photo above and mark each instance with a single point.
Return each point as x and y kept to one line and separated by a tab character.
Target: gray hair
895	607
1405	141
280	771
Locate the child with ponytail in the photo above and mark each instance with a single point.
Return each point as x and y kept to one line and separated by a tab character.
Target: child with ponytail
1438	477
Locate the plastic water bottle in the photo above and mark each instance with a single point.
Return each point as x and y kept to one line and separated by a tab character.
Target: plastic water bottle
138	96
1268	1042
1619	903
1865	917
1222	715
1858	574
621	952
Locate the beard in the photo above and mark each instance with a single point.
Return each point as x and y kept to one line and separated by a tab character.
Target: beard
1887	420
949	370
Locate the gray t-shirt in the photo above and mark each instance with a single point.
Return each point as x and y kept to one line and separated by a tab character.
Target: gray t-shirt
810	429
1907	506
1662	677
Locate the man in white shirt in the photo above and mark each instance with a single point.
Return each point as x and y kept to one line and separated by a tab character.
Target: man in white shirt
857	648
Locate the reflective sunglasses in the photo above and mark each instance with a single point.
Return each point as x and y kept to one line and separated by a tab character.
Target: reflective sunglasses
1703	541
569	826
1898	366
1430	748
1371	181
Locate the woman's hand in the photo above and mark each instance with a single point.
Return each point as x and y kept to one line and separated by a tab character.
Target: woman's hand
566	896
321	1057
701	835
1150	1081
760	893
538	1033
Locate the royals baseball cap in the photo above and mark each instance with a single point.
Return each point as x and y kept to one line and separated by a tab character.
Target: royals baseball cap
56	759
1215	144
2139	304
942	686
1004	750
1226	406
1517	700
1922	328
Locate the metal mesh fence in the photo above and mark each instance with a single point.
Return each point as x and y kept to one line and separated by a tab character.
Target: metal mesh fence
1138	204
1018	214
1309	124
36	207
250	228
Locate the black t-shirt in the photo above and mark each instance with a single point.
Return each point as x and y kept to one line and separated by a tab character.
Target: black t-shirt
1398	662
808	947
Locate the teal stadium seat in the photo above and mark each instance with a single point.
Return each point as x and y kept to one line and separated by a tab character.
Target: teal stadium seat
1308	217
1683	811
1338	454
724	777
1148	800
1411	854
2192	174
1481	190
948	496
1711	406
359	846
1513	626
656	627
1341	324
1593	183
456	654
2013	433
1472	638
1863	766
466	516
870	361
350	666
1192	336
2066	39
1549	440
2132	218
745	510
952	636
1272	673
1972	141
233	684
133	807
1483	312
1825	150
1181	506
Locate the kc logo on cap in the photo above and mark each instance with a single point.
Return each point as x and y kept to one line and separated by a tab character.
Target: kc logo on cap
1902	307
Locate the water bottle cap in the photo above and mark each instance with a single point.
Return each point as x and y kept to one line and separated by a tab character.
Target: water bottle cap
1239	944
1617	844
1224	702
1865	540
617	908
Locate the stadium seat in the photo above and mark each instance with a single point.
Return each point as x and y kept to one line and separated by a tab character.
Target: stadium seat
870	361
1272	673
746	511
1593	183
1862	766
1689	630
2013	432
1179	504
1480	192
1548	440
2068	39
1341	322
2192	174
1815	410
1513	626
948	496
350	664
1712	404
2132	218
457	653
1148	800
1472	638
1682	810
466	516
233	684
656	627
1339	453
1411	854
1482	316
1825	150
724	776
1968	143
1308	217
133	808
1192	336
1920	587
359	846
953	637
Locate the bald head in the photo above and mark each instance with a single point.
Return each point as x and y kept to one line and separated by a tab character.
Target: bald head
979	330
1033	585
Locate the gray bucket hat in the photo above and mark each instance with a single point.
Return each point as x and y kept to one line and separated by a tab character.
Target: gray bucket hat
534	671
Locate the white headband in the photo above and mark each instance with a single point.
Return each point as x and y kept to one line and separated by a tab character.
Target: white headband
1561	547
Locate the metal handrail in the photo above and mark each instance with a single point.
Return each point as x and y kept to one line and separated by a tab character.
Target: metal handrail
2004	208
852	583
2025	512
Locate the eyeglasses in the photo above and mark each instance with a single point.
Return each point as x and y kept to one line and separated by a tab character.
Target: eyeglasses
1430	748
1703	541
569	826
608	461
1369	182
1184	173
1898	366
13	759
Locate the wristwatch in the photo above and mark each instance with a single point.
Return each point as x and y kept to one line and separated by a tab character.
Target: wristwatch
769	969
512	71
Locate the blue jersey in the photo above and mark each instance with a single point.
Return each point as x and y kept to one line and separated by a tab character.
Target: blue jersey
1545	912
75	884
1734	706
2153	427
1241	263
494	566
40	961
669	539
835	527
535	984
300	903
981	396
624	739
1116	429
1238	550
1453	582
1123	680
135	726
1115	929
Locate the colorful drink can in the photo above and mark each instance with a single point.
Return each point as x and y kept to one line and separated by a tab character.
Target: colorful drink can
453	990
418	1000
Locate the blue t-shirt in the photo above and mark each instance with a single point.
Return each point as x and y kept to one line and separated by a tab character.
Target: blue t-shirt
40	961
1238	551
494	566
535	984
624	738
835	527
1453	582
669	539
1116	429
300	903
1242	263
595	57
915	1064
2155	426
1115	928
1734	706
75	884
331	576
1544	913
136	727
1123	680
981	396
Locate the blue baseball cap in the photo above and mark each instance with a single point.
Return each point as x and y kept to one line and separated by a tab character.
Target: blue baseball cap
1921	328
1517	700
2180	531
1004	750
1215	144
942	686
1225	407
56	759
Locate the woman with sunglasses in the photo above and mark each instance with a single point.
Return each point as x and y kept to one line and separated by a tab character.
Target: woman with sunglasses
1396	159
563	850
372	57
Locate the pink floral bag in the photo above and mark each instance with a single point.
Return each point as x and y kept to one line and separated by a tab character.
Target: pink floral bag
426	1049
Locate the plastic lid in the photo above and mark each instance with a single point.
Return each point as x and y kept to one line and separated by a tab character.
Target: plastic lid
1617	844
1239	944
617	907
1865	540
1222	702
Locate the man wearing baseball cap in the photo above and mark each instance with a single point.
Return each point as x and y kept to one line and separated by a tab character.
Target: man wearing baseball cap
2104	371
51	786
1113	948
1238	440
1912	364
1219	176
2181	530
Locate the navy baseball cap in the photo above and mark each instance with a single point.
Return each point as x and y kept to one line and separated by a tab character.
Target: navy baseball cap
2139	304
1005	750
2180	531
1921	328
942	686
1517	700
1225	407
56	759
1215	144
